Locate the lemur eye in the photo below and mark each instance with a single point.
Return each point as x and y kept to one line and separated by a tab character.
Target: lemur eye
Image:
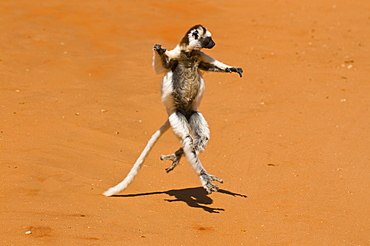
196	34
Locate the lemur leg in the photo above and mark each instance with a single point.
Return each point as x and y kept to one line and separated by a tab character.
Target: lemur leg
175	158
181	128
201	133
199	127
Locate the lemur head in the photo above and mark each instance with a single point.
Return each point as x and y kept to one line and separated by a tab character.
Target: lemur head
198	37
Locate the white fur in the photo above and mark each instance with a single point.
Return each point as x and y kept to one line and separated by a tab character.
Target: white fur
181	128
158	68
206	58
167	93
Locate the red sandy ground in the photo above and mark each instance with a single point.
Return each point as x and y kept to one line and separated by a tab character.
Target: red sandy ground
79	100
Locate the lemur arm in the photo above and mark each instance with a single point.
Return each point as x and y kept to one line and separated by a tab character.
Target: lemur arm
209	64
162	62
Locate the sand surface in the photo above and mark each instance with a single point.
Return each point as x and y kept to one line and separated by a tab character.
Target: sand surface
79	100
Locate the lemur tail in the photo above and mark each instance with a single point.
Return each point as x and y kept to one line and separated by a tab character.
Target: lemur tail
135	169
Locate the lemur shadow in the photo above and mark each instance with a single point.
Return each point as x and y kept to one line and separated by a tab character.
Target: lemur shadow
193	197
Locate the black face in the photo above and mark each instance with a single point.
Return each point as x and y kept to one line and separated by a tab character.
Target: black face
208	43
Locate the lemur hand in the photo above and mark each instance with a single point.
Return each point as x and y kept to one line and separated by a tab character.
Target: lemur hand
236	70
159	49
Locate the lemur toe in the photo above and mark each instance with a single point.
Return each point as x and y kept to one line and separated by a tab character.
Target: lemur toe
214	178
209	187
207	179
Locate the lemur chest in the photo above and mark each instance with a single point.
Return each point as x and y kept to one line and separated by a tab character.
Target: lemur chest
186	81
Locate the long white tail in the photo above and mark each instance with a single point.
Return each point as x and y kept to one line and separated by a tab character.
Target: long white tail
135	169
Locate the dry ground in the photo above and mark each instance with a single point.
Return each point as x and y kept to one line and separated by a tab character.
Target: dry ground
79	100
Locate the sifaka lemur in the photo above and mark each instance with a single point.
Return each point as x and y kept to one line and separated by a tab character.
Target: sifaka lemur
182	90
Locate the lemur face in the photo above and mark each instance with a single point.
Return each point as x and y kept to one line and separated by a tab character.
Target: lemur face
198	37
208	43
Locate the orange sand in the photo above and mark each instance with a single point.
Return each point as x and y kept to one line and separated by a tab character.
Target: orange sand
79	100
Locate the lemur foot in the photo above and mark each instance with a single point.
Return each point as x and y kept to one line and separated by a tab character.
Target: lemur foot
159	49
175	160
207	179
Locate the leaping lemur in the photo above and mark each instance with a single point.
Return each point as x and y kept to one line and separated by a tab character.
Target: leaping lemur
182	90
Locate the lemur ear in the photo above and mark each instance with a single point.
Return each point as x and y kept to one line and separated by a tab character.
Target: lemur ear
195	34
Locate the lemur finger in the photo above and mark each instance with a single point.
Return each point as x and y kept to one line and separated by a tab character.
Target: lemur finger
157	46
238	70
